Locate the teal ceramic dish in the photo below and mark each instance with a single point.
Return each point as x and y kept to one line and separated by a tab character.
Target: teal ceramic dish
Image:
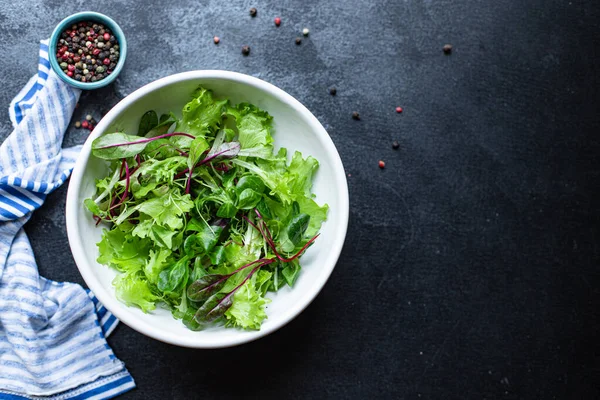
80	17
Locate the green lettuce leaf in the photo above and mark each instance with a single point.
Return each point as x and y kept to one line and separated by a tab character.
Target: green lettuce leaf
254	126
203	114
122	250
157	262
167	210
248	308
133	290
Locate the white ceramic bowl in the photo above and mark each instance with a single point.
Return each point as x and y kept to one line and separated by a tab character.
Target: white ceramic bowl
295	128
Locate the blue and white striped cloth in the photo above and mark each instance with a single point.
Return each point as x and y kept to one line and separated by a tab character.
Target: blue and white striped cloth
52	335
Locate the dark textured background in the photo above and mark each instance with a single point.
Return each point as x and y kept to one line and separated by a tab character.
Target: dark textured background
471	265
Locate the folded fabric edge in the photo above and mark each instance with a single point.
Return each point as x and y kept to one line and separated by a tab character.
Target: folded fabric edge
103	388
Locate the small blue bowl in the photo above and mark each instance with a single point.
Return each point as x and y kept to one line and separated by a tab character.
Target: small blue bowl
81	17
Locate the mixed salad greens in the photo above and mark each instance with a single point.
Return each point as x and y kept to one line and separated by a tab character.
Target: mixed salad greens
205	217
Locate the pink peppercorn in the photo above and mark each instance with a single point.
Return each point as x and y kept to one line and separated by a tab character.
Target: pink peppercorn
277	21
96	52
398	110
69	73
71	67
106	36
106	61
381	164
85	124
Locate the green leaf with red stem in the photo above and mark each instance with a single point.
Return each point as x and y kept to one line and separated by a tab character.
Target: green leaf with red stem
120	145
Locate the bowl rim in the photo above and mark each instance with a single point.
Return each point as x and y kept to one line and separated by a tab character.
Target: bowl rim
78	17
110	301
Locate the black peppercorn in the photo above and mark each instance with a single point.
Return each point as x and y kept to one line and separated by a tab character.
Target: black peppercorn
298	40
447	48
245	50
112	57
113	39
253	12
78	77
355	115
112	65
332	91
395	145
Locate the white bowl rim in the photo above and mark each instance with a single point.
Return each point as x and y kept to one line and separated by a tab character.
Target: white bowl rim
111	302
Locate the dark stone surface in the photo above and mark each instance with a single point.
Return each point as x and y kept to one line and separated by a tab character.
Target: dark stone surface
471	266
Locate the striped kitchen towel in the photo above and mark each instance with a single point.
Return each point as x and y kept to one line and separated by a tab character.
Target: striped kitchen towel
52	335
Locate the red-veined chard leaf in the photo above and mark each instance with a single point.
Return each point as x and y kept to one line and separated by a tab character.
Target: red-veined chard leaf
214	308
120	145
206	286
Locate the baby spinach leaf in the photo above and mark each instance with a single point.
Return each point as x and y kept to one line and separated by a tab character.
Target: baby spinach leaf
250	182
164	123
228	178
296	227
263	209
197	147
170	279
291	271
149	120
248	199
198	271
295	208
164	118
217	256
208	237
227	210
188	244
194	225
